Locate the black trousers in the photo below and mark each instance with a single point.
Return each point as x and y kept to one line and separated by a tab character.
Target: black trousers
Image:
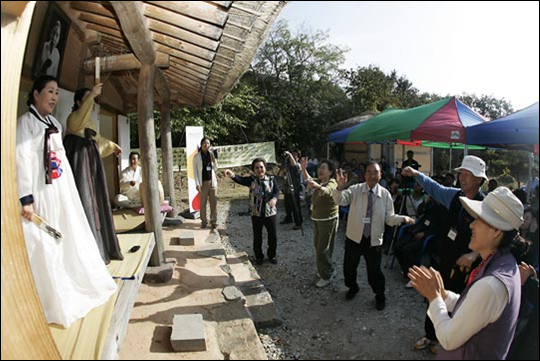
372	255
291	212
270	224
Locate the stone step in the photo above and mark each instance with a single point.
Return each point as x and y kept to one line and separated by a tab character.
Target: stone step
258	300
188	333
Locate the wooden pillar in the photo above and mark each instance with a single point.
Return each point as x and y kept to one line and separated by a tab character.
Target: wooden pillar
167	156
25	335
147	142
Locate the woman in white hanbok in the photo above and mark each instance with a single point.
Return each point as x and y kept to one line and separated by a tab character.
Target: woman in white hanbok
70	276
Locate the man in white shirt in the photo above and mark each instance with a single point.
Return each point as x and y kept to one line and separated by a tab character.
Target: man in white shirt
130	181
364	236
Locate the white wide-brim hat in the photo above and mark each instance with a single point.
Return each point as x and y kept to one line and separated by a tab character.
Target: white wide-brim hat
500	209
474	165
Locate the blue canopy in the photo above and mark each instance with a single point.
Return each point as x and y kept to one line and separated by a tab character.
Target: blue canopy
519	128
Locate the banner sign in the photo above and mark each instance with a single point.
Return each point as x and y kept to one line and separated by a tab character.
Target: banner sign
229	155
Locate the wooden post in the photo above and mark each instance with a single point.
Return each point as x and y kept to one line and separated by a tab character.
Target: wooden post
147	143
167	156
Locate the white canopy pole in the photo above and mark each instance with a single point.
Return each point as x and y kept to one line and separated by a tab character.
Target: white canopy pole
450	160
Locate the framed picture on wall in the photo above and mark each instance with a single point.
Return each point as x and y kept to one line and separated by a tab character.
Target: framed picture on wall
52	43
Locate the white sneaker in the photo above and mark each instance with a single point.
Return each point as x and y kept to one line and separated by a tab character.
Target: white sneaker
323	283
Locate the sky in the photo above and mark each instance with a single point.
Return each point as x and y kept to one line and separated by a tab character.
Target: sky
484	48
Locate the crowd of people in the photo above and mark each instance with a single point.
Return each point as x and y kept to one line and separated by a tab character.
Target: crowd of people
472	254
462	248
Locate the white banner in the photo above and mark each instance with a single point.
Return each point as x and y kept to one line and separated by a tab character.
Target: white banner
194	135
243	154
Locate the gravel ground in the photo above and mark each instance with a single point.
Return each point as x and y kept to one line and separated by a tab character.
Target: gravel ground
318	323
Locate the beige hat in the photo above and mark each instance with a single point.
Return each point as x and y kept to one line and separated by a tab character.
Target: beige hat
500	209
474	165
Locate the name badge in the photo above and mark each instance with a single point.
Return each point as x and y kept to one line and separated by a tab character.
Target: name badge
209	168
452	234
366	220
427	223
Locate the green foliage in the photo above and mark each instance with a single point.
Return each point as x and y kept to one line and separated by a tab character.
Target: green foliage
490	107
224	123
295	90
298	76
370	89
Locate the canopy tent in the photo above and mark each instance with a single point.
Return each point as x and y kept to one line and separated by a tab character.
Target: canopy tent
441	121
512	131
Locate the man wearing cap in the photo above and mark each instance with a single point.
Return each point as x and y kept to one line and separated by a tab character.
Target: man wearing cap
454	259
484	316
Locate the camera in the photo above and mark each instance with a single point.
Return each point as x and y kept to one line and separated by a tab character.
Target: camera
406	191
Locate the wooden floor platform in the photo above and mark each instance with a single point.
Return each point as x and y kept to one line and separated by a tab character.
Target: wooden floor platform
99	335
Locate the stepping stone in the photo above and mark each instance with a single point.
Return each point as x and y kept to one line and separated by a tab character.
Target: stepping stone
187	238
188	333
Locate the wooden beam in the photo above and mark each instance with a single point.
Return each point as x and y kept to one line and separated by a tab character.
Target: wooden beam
196	9
188	71
236	5
188	48
193	84
197	89
92	37
106	30
194	95
182	21
184	56
182	34
136	30
93	8
238	25
72	15
123	62
180	71
225	4
189	66
147	141
232	37
99	20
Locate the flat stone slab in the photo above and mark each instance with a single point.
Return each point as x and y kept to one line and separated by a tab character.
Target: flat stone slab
188	333
231	293
187	238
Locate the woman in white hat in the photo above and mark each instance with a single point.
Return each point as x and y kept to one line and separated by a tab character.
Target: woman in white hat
484	317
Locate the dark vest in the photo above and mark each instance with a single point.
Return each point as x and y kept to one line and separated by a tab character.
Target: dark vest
493	341
448	250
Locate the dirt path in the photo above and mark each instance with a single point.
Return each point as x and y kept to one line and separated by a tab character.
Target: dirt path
320	323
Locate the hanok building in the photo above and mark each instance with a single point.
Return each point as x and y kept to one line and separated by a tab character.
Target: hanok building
153	55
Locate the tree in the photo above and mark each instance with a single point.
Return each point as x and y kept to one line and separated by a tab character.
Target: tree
224	123
370	89
489	106
297	74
